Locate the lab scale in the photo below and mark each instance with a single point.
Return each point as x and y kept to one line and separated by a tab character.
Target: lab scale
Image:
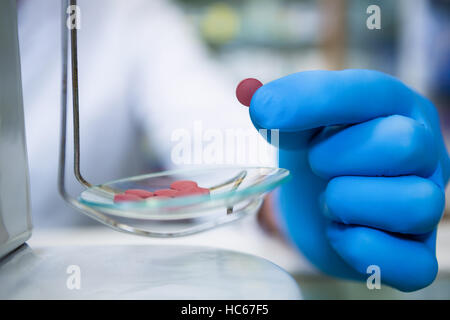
15	219
123	272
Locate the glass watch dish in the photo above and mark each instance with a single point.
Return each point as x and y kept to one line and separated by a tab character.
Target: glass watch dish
229	187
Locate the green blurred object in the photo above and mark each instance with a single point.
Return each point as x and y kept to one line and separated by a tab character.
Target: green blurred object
220	24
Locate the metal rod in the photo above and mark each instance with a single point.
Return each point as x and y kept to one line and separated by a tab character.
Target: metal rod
76	104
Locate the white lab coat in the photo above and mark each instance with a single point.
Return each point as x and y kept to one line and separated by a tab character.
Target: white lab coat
143	74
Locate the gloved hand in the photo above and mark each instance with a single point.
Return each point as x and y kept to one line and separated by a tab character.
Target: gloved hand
369	168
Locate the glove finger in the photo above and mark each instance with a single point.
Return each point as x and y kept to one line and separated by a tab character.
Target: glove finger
313	99
389	146
407	204
404	263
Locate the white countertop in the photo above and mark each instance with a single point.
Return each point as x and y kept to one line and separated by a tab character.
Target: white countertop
243	236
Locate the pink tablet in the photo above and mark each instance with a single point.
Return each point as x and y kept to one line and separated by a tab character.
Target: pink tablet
126	197
183	185
140	193
166	192
246	89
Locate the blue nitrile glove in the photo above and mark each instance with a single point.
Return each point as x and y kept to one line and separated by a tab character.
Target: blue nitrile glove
369	168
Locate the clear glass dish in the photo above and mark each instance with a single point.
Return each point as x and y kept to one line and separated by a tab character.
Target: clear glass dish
232	190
